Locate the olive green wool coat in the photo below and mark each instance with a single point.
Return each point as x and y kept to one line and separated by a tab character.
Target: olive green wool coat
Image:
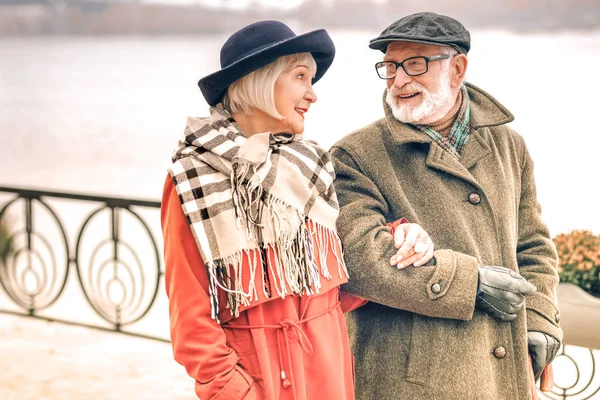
420	336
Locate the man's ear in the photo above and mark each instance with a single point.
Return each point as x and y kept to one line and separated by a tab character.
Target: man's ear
459	70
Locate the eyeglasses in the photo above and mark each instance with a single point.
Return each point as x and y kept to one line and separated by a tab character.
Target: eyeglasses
413	66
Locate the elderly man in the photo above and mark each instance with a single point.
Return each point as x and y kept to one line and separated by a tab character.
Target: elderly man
443	157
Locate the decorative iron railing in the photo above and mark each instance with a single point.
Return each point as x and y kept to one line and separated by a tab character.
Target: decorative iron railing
118	270
117	264
575	375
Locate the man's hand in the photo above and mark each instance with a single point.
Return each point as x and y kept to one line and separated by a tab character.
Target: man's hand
543	349
414	246
501	292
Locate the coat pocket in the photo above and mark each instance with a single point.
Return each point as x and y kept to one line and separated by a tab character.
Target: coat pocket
243	342
422	350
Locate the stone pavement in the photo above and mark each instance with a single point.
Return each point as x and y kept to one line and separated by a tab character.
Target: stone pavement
42	360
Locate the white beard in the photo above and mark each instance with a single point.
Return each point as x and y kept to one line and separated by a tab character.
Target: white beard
433	107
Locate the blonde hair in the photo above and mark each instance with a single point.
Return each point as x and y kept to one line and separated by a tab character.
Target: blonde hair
257	89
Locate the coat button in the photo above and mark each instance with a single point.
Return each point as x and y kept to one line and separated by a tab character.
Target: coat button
500	352
474	198
436	288
557	318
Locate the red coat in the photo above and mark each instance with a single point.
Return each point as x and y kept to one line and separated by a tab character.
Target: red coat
292	348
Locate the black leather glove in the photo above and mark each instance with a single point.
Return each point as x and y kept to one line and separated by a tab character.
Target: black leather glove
501	292
543	349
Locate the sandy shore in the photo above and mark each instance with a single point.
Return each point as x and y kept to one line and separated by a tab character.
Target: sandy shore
42	360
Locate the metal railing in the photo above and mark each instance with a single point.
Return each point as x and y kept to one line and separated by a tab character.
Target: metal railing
120	285
575	366
582	383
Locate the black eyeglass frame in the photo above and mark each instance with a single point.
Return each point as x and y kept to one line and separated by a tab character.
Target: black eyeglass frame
401	64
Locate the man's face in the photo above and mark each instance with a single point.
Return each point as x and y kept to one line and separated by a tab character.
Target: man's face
419	99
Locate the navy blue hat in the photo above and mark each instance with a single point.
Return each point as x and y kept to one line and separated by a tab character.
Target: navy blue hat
425	27
258	45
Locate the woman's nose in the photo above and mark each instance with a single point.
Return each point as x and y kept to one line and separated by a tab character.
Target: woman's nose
310	95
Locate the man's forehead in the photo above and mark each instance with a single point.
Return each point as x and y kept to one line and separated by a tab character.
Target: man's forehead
411	47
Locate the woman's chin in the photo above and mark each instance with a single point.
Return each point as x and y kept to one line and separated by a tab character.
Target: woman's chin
295	127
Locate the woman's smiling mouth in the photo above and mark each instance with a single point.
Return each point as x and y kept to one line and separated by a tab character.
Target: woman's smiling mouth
301	111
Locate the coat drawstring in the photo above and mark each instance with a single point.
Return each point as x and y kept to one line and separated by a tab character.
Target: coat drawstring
282	329
305	343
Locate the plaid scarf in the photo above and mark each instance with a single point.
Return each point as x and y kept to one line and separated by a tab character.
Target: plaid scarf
241	194
460	131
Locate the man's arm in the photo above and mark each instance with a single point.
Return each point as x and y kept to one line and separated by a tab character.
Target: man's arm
536	256
445	290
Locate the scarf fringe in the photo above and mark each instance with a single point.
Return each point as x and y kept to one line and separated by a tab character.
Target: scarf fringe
295	268
247	192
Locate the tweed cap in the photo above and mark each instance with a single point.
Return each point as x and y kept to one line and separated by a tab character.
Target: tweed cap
425	27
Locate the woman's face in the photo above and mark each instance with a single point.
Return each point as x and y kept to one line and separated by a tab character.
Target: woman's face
293	96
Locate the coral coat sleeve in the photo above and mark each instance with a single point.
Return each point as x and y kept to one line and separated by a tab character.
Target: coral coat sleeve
199	343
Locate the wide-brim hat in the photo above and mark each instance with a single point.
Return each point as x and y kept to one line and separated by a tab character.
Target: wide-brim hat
426	28
258	45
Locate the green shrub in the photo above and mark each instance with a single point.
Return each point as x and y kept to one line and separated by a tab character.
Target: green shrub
579	260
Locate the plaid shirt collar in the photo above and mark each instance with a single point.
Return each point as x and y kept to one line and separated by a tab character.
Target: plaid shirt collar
460	131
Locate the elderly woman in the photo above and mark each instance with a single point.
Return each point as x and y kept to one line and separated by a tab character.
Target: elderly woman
253	260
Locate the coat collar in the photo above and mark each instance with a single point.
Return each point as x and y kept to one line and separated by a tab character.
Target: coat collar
485	112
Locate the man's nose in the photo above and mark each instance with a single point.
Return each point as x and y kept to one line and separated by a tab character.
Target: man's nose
401	78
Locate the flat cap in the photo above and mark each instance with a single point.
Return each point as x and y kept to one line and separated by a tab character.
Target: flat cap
427	28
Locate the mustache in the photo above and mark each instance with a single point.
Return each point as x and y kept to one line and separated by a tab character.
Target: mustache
411	87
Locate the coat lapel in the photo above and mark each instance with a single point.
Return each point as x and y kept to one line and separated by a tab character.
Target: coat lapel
440	159
475	150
